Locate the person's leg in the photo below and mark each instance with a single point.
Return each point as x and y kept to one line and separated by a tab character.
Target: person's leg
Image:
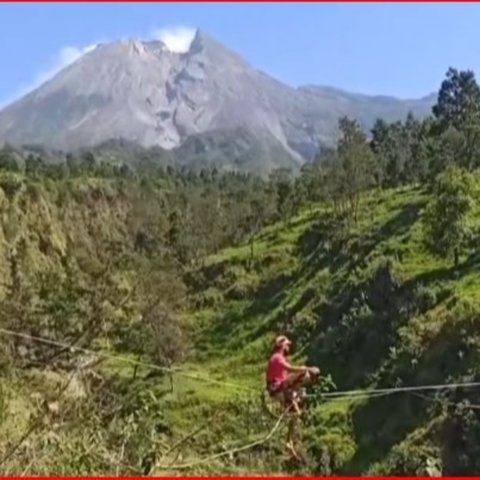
296	380
286	392
292	433
290	388
292	385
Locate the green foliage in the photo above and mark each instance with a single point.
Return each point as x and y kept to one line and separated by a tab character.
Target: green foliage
458	98
164	337
10	184
445	218
282	185
401	149
335	451
8	160
356	160
458	110
413	457
462	433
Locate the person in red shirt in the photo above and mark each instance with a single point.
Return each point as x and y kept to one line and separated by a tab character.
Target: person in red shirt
284	380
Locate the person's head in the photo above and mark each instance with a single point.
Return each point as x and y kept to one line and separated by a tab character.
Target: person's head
282	344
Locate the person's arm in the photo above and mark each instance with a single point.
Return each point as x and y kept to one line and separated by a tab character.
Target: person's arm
292	368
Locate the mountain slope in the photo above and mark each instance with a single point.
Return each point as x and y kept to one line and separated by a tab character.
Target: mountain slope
237	149
372	308
144	93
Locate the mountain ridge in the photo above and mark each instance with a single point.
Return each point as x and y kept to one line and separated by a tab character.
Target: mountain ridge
143	92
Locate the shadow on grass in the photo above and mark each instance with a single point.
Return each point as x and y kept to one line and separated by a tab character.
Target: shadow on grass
379	425
442	274
267	310
272	294
312	243
385	421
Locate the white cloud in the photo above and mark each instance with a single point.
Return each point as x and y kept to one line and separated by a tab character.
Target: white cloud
177	39
68	55
65	57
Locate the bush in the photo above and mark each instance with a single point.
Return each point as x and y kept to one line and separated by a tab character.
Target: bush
10	184
332	451
209	298
165	342
425	298
413	457
239	291
300	327
34	191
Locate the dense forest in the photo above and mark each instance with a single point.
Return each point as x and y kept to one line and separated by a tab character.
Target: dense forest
139	301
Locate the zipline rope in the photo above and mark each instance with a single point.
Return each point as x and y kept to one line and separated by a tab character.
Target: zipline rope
334	396
468	406
390	391
120	358
328	395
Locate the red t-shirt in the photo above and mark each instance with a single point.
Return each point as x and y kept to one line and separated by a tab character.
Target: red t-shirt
276	369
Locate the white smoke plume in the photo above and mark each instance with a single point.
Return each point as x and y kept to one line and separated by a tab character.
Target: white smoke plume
176	39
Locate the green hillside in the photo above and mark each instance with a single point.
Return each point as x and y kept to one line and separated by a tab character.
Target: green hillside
366	302
369	306
138	306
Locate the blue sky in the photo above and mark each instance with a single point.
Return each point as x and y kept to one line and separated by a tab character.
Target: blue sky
393	49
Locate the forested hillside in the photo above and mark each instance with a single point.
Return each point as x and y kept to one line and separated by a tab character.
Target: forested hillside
138	306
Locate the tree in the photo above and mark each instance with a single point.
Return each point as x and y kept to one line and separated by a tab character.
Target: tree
311	186
164	340
281	181
357	162
445	216
33	165
397	155
381	145
334	184
446	147
88	162
397	148
8	161
458	107
415	161
458	100
256	216
421	142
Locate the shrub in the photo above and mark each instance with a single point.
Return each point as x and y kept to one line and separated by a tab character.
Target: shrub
10	184
412	457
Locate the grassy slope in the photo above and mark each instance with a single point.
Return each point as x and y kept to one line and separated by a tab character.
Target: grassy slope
303	279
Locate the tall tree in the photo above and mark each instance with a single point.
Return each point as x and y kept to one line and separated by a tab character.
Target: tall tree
356	160
458	107
420	148
282	183
396	146
381	146
445	219
7	160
